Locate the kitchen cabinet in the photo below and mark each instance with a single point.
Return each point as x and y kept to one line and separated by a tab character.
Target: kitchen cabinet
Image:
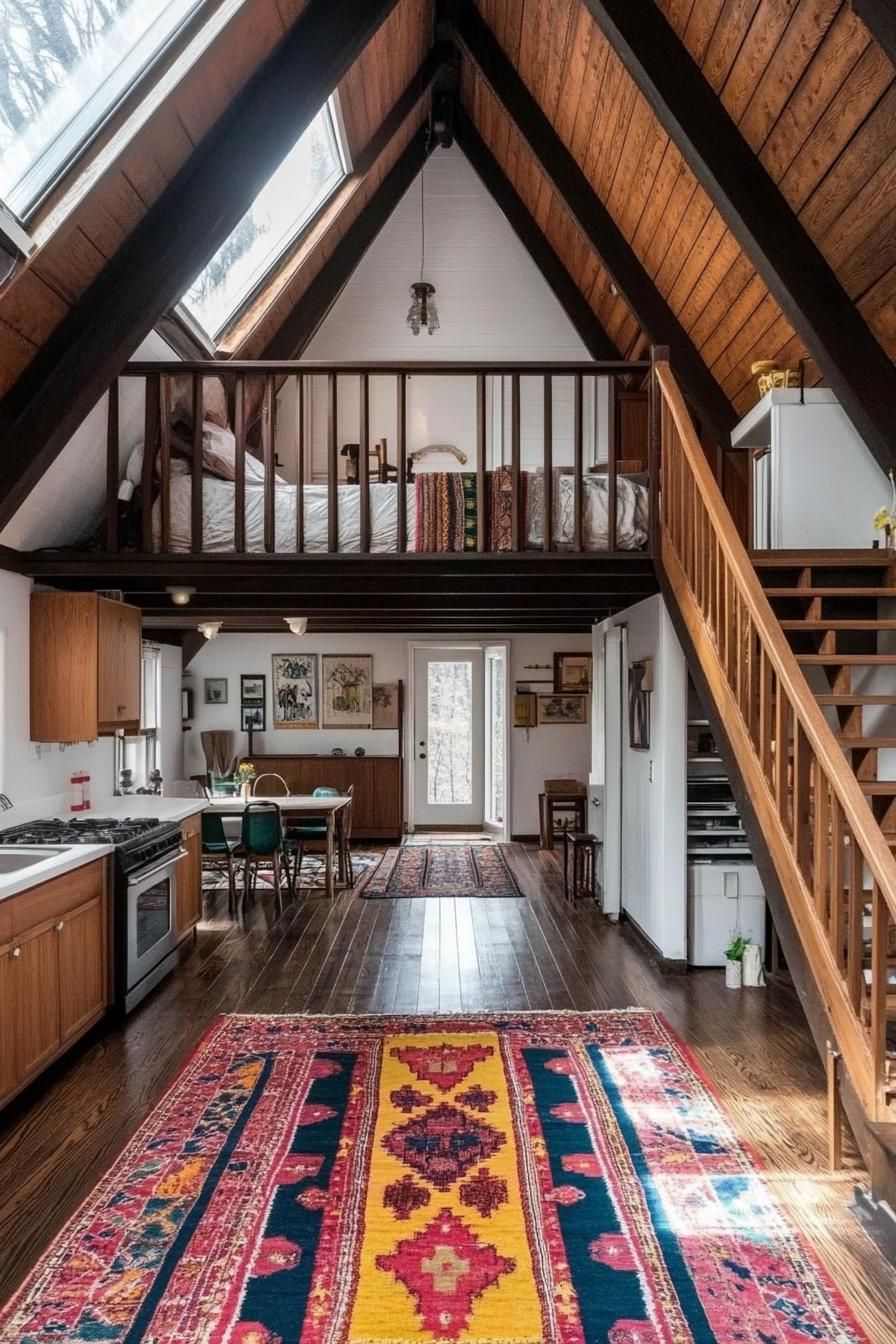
189	877
377	804
54	971
85	667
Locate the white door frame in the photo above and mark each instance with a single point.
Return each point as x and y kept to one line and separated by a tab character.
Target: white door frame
411	755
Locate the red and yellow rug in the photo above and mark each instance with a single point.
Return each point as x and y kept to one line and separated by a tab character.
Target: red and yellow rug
515	1180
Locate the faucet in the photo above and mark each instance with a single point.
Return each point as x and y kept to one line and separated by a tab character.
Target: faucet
5	803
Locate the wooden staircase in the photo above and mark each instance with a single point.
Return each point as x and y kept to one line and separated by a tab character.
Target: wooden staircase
796	657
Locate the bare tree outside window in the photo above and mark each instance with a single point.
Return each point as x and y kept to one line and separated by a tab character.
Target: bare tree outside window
450	732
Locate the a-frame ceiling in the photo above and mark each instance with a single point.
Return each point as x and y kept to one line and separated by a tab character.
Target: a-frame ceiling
571	114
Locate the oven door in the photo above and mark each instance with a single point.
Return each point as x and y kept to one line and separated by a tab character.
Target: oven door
151	926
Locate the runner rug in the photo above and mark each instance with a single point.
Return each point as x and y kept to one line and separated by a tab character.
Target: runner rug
442	870
514	1180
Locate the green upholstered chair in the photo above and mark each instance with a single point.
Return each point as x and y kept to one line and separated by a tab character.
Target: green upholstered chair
261	842
217	852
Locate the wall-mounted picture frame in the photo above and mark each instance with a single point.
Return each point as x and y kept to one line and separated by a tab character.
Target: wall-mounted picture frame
347	682
252	718
562	709
640	685
251	689
572	673
215	690
294	701
525	709
386	705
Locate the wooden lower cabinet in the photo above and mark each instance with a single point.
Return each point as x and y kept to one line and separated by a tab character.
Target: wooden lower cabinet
55	978
377	807
189	877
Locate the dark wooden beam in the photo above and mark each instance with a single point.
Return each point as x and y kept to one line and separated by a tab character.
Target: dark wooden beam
297	329
793	268
176	237
474	37
553	272
879	17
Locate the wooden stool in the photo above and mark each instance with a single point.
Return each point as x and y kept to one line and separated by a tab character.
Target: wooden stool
583	848
563	811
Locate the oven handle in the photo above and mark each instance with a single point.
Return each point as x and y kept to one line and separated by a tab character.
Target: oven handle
142	877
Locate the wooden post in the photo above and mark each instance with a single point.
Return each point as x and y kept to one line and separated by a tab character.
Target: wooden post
612	455
196	476
332	466
548	464
401	411
578	465
112	468
267	453
481	534
515	503
150	442
239	466
364	463
300	463
835	1110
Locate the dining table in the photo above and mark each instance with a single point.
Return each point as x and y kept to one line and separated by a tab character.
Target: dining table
292	805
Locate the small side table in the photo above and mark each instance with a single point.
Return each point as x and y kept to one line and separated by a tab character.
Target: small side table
582	848
570	809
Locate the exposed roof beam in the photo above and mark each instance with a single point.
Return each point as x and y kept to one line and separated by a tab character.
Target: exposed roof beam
296	330
515	210
477	41
175	238
793	268
879	17
440	55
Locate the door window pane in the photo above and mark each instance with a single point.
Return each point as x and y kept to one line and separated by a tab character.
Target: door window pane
497	746
449	761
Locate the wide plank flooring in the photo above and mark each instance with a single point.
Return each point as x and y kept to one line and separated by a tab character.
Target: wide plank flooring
426	956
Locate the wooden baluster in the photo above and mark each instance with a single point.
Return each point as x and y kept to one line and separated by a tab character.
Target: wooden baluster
112	468
821	866
878	1006
165	460
481	530
516	511
548	464
402	436
267	454
300	463
364	463
782	753
802	778
837	923
765	728
150	443
239	465
855	938
655	463
578	465
612	457
332	465
196	473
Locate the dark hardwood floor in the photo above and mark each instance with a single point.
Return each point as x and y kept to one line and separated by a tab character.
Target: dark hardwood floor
426	956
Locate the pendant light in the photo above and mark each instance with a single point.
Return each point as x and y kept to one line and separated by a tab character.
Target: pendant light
423	312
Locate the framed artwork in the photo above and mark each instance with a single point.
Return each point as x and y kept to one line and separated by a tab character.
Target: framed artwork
385	705
252	718
294	700
640	684
216	690
561	709
524	709
572	673
347	680
251	689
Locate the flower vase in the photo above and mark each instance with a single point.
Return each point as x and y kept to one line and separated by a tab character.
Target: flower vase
734	974
246	790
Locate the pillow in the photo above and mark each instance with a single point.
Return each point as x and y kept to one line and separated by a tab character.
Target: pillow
214	400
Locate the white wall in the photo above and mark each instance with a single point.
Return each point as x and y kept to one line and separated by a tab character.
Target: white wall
27	770
171	733
654	841
548	752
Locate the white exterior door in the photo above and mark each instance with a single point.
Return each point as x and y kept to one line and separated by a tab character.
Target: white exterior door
610	811
497	760
449	721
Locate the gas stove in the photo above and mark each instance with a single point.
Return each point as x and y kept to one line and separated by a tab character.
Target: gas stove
137	840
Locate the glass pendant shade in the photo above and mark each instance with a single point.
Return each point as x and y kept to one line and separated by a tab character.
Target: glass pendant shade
423	312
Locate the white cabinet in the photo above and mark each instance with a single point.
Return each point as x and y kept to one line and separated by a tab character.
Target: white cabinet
723	899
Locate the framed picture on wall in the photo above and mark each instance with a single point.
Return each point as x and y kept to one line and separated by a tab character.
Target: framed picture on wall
216	690
252	718
385	705
640	685
294	699
572	673
347	680
561	709
251	689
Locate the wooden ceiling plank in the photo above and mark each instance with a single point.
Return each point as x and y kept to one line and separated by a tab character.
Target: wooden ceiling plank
747	343
701	25
730	30
861	243
758	53
678	12
553	271
879	17
162	255
772	88
592	217
790	263
879	310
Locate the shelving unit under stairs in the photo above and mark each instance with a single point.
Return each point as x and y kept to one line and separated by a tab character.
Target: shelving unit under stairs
725	894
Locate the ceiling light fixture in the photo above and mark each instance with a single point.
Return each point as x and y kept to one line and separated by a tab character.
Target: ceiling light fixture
297	624
180	594
423	312
210	629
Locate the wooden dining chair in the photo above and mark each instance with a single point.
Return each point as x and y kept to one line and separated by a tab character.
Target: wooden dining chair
261	841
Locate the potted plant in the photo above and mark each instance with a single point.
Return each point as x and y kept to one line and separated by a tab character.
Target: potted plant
245	773
734	961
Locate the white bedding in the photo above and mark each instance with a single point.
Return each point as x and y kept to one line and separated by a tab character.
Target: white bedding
218	500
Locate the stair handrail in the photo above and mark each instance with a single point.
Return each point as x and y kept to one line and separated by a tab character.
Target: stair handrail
865	1053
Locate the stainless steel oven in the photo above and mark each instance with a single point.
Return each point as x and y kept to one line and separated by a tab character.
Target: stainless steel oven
150	927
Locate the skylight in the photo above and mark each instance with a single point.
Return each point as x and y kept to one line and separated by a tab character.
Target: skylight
314	166
64	66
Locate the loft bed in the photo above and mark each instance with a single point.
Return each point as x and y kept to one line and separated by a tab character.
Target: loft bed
226	439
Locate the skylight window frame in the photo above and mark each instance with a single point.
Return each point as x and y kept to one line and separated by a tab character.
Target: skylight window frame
135	76
294	241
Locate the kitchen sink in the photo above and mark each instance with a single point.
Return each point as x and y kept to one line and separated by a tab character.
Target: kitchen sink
13	858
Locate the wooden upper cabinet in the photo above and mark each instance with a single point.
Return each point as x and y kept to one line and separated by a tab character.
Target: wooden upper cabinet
85	667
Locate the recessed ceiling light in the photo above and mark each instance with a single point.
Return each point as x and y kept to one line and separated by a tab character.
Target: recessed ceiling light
180	594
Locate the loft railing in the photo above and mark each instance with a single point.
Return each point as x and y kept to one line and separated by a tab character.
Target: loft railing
831	858
618	477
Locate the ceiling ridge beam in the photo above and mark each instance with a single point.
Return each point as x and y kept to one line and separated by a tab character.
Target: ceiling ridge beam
300	325
578	310
770	234
175	238
477	41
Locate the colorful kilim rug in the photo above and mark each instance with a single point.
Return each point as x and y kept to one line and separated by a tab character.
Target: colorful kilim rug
442	870
559	1177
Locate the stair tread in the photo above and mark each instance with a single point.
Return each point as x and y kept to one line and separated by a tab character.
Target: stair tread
872	623
848	659
878	788
792	590
865	743
831	698
818	559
